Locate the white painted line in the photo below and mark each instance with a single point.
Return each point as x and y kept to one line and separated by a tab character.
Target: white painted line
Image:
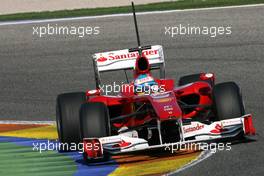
15	122
204	155
123	14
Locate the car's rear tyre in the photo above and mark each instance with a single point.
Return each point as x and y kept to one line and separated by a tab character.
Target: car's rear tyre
94	123
227	101
67	117
192	78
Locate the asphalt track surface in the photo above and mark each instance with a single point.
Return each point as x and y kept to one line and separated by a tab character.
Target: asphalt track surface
34	70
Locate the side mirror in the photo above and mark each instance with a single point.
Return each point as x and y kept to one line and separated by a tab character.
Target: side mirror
94	92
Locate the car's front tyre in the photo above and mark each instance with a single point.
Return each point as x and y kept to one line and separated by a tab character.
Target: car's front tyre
227	101
67	117
94	123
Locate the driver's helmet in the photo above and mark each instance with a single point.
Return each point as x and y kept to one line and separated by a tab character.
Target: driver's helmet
145	84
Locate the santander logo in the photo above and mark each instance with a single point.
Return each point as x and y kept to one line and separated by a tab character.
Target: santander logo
102	59
218	129
114	57
191	129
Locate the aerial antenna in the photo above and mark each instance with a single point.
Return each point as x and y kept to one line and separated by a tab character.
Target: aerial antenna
135	21
139	48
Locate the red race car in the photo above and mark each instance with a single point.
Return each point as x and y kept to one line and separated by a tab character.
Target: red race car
149	112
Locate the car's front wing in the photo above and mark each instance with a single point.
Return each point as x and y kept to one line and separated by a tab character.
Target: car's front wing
193	132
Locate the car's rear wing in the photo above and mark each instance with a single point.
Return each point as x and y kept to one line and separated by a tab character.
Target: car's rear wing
125	59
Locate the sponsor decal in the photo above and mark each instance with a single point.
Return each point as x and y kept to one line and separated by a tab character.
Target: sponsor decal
232	122
121	144
110	139
101	59
160	95
168	108
192	129
143	80
218	128
163	100
114	57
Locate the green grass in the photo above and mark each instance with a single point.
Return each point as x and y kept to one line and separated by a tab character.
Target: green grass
181	4
23	161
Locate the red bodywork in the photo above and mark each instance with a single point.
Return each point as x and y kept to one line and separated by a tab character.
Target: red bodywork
165	105
170	115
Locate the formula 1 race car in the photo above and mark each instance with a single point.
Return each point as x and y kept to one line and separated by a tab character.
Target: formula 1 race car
141	118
